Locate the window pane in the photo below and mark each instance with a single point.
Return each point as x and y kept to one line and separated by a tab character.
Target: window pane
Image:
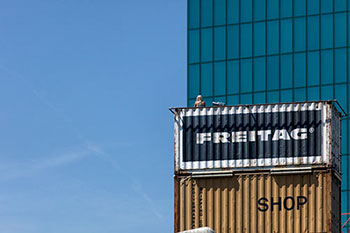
220	43
193	47
272	72
327	92
246	99
193	81
246	40
348	25
299	34
207	44
259	74
313	32
190	103
220	12
344	137
344	202
340	95
246	10
286	36
340	29
313	68
300	94
273	97
327	31
232	11
246	75
348	65
340	65
259	98
272	9
313	93
345	185
207	79
207	13
345	194
208	101
340	5
220	78
345	197
259	39
193	13
232	77
299	70
221	99
232	42
286	96
286	71
299	7
327	67
272	37
313	7
232	100
326	6
286	8
259	9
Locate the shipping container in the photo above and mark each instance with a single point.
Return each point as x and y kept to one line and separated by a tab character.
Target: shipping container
260	202
199	230
257	137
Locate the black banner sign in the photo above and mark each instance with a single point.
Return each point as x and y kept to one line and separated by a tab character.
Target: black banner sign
259	135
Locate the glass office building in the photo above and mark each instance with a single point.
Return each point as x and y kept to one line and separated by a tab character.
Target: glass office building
268	51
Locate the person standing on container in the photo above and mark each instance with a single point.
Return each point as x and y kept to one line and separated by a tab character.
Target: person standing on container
199	101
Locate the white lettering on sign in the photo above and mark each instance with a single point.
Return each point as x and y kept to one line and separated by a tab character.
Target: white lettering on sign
252	136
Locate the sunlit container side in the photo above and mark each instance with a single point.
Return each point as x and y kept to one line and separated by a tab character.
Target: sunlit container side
257	137
199	230
259	202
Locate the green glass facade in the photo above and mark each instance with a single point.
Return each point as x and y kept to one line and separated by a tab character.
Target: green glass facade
268	51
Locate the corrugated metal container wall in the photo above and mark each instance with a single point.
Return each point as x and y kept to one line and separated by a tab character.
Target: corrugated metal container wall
200	230
257	137
259	203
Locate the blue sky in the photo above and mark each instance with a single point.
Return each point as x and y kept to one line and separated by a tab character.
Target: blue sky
86	138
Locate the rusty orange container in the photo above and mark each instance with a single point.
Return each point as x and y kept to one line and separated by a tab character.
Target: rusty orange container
308	201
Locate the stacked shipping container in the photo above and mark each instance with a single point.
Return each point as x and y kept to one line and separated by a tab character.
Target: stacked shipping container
258	168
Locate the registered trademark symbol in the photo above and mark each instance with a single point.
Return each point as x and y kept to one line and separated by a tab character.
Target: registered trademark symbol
311	130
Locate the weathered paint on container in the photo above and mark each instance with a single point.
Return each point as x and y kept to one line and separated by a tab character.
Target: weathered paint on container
257	137
259	202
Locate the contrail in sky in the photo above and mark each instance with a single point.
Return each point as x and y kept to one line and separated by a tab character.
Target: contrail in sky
89	147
